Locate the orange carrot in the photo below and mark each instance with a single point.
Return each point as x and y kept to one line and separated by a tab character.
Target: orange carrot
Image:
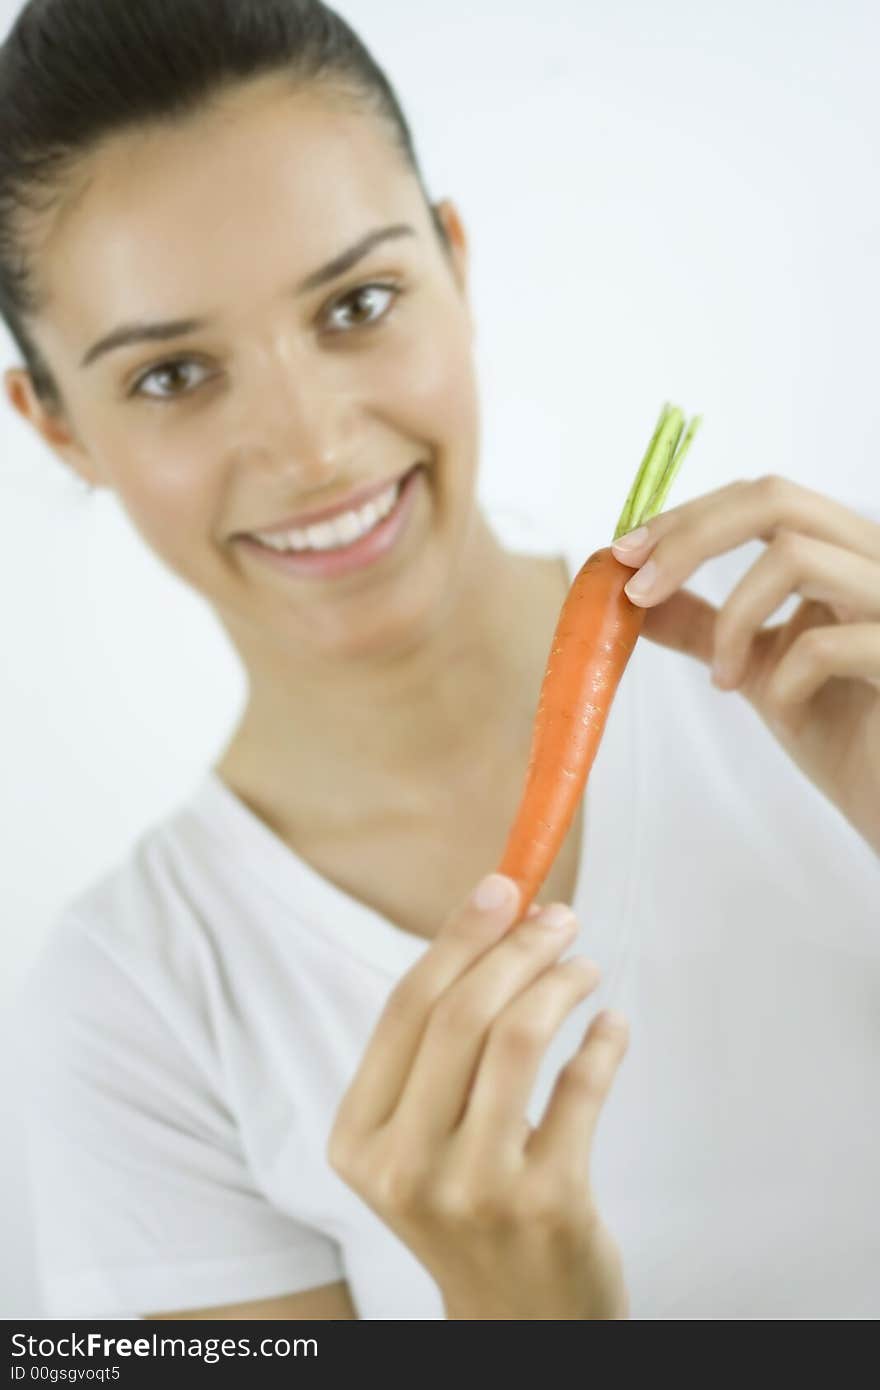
597	630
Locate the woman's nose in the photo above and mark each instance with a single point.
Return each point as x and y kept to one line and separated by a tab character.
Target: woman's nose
294	421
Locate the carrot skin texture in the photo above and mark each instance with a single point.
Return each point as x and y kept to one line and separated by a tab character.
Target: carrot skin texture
597	630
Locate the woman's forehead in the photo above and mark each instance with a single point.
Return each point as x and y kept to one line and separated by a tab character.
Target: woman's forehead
292	145
156	215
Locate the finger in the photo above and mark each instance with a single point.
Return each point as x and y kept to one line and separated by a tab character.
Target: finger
757	510
564	1138
464	937
783	504
685	623
440	1079
792	563
846	650
491	1127
668	520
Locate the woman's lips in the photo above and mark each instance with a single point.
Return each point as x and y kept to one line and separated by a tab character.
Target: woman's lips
359	497
366	551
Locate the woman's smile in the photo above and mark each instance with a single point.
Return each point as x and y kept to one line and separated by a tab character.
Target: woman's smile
367	549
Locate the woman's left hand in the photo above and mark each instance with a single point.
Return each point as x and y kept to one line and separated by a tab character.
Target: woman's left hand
815	679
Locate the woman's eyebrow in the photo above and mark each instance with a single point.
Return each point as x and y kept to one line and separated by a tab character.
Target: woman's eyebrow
130	333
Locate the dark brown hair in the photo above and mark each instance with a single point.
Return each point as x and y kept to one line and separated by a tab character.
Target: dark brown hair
75	71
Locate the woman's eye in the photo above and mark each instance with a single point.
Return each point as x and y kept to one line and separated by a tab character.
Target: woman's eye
165	369
357	298
360	295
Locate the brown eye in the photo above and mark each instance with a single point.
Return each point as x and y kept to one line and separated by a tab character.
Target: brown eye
165	370
362	297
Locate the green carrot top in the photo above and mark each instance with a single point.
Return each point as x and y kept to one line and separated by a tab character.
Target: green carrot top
658	468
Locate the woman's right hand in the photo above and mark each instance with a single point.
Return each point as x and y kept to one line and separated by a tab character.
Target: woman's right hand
432	1131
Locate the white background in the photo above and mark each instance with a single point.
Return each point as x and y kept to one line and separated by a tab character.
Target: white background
671	202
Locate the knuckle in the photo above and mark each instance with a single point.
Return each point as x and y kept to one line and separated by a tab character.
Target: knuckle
584	973
399	1187
544	1202
520	1036
451	1200
351	1165
775	703
524	1028
458	1014
692	537
618	1039
528	936
580	1075
404	998
730	627
789	546
489	1210
466	1203
344	1147
817	644
771	488
337	1153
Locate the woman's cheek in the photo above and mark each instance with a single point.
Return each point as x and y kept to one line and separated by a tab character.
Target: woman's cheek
172	502
427	383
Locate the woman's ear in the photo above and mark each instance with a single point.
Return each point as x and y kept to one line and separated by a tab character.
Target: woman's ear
52	428
456	239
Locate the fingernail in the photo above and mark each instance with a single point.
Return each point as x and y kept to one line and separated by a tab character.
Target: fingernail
642	581
614	1018
493	891
631	540
556	915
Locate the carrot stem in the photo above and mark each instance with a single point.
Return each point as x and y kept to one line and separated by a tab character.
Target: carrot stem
623	524
669	444
659	496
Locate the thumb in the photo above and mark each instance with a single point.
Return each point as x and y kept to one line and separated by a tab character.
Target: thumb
685	622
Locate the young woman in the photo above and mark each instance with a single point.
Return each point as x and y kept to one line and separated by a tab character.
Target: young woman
284	1063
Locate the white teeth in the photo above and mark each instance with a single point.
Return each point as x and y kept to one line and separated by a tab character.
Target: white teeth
342	530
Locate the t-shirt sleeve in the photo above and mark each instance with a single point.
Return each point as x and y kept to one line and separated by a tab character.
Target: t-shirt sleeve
143	1199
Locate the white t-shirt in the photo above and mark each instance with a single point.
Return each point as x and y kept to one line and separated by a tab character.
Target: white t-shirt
195	1017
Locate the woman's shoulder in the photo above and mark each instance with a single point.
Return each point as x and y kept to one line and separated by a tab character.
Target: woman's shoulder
127	933
118	992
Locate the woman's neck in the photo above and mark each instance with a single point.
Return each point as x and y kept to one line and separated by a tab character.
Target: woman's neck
340	744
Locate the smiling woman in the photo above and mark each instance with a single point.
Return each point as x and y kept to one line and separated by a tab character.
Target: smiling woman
285	1013
240	313
221	393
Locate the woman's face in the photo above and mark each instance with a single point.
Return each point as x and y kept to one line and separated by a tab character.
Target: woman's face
286	398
